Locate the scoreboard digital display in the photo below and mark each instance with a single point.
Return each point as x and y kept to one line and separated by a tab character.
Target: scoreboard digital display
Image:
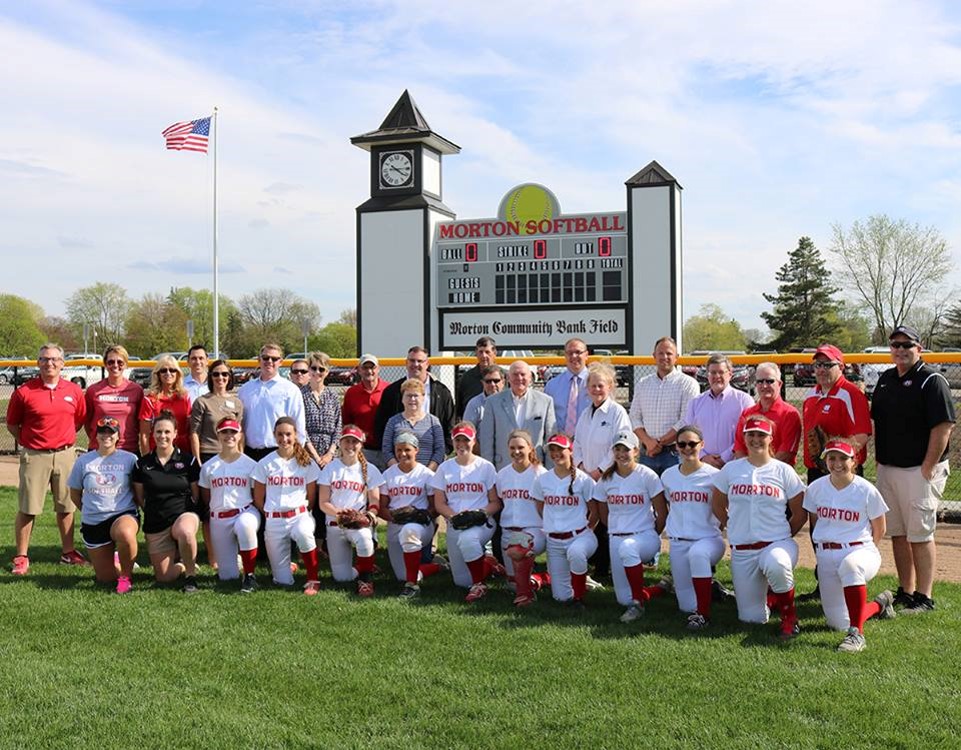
560	266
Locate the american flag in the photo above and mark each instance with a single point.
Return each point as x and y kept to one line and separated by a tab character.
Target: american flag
188	136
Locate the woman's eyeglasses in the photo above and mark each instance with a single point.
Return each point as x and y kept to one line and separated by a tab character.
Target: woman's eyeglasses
315	368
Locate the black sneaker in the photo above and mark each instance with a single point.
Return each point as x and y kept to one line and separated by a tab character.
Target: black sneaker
719	593
921	604
811	596
190	585
903	599
249	585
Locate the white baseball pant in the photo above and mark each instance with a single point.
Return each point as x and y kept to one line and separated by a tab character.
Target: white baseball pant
565	556
626	552
278	534
538	544
339	549
466	546
754	570
229	535
409	537
693	559
839	568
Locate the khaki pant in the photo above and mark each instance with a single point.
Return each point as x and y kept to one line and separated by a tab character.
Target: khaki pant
42	470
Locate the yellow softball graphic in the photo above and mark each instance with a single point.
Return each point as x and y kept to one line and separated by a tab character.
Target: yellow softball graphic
527	203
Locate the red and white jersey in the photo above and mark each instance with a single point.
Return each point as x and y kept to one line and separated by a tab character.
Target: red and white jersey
690	515
466	487
286	481
563	510
347	488
628	499
844	515
514	490
757	499
230	483
412	488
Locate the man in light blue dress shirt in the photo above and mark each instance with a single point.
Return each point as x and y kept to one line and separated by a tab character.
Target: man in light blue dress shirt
566	409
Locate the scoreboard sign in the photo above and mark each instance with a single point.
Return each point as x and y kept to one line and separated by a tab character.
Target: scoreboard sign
532	278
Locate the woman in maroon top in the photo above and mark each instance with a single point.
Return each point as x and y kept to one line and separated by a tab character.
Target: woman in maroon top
116	397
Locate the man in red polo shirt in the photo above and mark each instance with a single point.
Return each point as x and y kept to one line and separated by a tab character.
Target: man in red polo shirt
787	419
44	415
834	408
360	406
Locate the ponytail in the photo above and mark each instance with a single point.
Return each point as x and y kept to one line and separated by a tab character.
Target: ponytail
570	487
363	467
609	471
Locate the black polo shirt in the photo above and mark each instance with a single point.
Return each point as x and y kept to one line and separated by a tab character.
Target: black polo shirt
166	488
905	409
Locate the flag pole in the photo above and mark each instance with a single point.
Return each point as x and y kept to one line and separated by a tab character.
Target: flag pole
216	341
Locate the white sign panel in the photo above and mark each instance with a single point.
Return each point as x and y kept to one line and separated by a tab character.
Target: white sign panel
532	328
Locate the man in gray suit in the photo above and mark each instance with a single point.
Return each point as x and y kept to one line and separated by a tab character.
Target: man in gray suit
520	407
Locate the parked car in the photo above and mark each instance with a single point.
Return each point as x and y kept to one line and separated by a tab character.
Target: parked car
952	370
18	375
804	370
742	376
140	375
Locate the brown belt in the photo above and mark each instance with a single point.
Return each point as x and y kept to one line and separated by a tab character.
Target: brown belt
565	534
838	545
287	513
755	545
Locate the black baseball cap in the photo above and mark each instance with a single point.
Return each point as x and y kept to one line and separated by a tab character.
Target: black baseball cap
911	333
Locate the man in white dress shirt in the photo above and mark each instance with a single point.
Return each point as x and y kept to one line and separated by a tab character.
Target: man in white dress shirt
196	381
266	399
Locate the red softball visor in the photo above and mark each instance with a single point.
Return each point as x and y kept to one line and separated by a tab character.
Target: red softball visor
464	431
354	432
228	424
758	425
561	441
840	446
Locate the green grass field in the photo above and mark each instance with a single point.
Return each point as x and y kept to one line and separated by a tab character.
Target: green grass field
83	667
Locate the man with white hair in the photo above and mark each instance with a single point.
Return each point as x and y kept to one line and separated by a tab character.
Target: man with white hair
787	419
519	407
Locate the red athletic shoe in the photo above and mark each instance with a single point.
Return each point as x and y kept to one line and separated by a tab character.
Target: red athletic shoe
365	588
21	564
525	600
72	558
477	591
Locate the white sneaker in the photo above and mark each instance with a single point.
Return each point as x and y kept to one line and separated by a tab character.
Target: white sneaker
853	642
593	585
634	612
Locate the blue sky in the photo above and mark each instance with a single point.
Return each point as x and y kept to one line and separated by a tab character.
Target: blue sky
778	120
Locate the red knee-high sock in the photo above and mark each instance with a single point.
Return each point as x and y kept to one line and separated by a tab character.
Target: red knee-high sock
540	580
785	606
310	563
249	559
771	599
635	577
702	592
579	584
411	566
652	592
365	567
429	569
478	569
492	567
859	609
522	575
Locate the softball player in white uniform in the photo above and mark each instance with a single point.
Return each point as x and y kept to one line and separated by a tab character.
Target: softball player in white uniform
227	489
467	482
751	498
285	489
563	498
631	504
692	528
523	536
350	483
847	514
407	485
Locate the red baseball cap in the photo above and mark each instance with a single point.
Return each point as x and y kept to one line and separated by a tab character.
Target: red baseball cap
841	446
353	432
758	425
830	351
464	431
561	440
228	424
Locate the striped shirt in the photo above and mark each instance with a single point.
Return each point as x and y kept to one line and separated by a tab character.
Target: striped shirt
659	403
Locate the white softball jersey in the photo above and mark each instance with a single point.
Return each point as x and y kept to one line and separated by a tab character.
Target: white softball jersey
844	516
757	499
410	489
347	488
690	515
230	483
514	489
563	510
286	481
629	500
466	487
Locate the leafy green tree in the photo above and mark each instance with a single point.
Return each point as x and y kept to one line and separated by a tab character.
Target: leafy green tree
198	306
102	305
804	310
155	325
712	330
336	339
20	334
853	329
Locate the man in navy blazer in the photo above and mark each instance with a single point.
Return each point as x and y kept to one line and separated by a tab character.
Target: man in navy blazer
519	407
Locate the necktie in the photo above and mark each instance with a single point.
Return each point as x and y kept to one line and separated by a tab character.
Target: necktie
572	406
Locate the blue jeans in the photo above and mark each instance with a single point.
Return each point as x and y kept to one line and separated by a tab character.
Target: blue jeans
663	460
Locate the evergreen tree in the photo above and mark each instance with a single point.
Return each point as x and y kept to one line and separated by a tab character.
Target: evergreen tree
805	312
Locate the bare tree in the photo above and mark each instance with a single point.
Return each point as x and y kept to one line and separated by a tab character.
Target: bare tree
891	265
103	305
349	317
276	315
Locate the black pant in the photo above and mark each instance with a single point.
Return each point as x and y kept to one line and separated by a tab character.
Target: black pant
601	560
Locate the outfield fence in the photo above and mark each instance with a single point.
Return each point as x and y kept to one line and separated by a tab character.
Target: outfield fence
861	368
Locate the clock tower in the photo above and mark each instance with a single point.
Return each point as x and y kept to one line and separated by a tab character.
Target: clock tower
395	227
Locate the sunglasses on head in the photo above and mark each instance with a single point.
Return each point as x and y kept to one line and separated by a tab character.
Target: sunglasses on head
903	345
687	444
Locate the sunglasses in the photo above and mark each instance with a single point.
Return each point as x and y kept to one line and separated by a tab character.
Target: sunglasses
765	381
268	358
315	368
167	371
220	374
496	380
110	362
685	444
299	372
903	345
825	365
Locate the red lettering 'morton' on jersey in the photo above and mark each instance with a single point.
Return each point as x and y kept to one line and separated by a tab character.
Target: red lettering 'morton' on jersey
465	487
839	514
347	484
231	482
755	489
515	494
275	481
625	499
561	500
405	489
690	496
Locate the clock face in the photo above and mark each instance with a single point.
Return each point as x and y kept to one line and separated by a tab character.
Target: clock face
396	170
